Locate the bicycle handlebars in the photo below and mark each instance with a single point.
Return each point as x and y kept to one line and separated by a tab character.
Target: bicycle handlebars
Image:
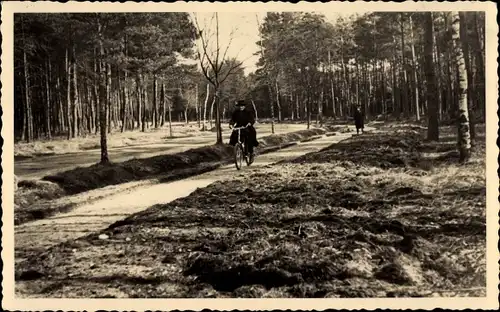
240	128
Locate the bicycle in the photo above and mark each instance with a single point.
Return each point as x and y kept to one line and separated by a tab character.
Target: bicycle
241	150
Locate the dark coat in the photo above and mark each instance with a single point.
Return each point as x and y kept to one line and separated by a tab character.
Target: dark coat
359	119
241	119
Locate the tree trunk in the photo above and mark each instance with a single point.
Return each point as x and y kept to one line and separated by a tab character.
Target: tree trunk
320	106
48	110
331	76
450	106
75	97
29	114
125	101
414	65
97	70
155	102
205	108
433	126
373	80
345	81
217	116
357	83
255	111
102	96
139	100
439	80
465	47
297	106
334	111
108	97
212	112
131	110
144	105
68	97
384	90
479	44
198	117
368	80
464	142
24	133
396	109
338	100
308	108
170	119
278	103
125	88
268	79
62	120
163	102
90	106
404	99
272	107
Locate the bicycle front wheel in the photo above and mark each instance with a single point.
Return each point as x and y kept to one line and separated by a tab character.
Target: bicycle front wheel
248	156
249	159
238	156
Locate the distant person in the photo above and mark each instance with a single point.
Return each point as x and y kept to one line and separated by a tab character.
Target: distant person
242	118
359	120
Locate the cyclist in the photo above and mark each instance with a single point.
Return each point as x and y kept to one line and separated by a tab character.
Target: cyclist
242	118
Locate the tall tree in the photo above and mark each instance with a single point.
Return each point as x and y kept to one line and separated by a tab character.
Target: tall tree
464	40
464	142
102	92
267	74
432	100
215	67
415	74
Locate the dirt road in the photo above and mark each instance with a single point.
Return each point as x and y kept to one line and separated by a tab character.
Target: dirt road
41	166
100	213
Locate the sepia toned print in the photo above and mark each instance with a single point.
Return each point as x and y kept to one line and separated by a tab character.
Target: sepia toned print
236	151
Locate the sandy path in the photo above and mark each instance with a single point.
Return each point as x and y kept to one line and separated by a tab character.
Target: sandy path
38	167
100	213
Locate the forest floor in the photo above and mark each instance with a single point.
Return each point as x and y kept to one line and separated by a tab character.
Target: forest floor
384	214
60	145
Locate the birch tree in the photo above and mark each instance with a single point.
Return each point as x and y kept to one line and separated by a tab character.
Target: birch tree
464	141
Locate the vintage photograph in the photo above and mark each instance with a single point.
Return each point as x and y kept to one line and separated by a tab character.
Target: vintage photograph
250	154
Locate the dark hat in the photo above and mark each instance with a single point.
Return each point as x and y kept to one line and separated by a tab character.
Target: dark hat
240	103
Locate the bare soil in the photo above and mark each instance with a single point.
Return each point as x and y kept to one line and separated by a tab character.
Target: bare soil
373	216
34	198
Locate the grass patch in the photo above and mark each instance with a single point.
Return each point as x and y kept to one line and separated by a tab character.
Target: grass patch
334	128
90	141
341	222
277	139
100	175
30	192
310	139
84	179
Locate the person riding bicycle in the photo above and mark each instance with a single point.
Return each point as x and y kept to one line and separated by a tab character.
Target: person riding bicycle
242	118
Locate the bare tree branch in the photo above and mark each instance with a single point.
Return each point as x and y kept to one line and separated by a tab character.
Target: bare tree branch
230	71
205	55
228	45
